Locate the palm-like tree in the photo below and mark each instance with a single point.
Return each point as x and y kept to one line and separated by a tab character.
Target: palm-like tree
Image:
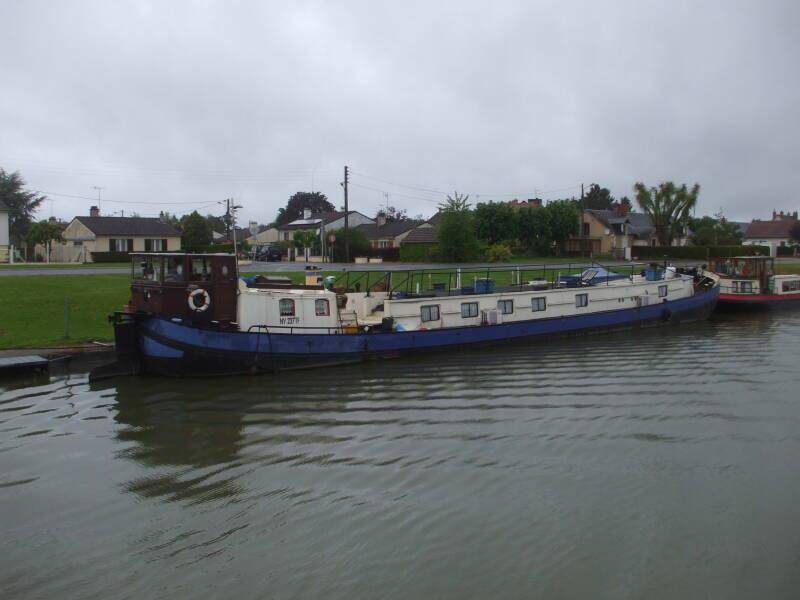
668	206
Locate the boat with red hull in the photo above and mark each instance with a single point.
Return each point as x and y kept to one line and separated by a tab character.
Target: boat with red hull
751	282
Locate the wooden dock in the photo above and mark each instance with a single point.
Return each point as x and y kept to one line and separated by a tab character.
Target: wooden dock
16	364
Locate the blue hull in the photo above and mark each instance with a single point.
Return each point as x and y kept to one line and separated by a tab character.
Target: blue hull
169	348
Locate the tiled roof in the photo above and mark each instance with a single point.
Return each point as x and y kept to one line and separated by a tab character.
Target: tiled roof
638	223
769	229
389	230
128	226
421	235
314	221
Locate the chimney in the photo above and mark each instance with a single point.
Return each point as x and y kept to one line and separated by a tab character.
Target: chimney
94	211
381	219
774	215
306	213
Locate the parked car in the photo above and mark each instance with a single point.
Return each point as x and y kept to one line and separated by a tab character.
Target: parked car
266	253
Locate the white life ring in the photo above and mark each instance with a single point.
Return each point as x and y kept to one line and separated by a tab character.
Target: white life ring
193	305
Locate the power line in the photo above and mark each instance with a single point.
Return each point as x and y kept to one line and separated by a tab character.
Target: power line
122	201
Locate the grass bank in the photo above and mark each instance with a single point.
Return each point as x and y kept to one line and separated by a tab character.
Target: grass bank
63	265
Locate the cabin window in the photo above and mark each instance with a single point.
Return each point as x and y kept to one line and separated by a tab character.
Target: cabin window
151	268
469	309
538	304
662	291
746	287
429	313
286	307
581	300
505	307
322	308
735	286
791	286
200	271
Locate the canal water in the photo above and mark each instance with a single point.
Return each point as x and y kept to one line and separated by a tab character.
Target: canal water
654	464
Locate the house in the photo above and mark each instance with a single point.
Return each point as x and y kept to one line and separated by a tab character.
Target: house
775	233
321	223
85	235
5	243
387	235
613	232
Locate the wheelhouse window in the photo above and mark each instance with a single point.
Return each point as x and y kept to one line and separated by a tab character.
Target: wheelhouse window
746	287
174	269
469	309
286	307
150	268
429	313
322	308
581	300
505	307
200	270
662	291
538	304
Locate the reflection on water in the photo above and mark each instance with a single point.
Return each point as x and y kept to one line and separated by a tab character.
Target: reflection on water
655	464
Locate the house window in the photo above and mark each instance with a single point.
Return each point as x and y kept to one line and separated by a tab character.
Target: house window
538	304
120	245
286	307
586	229
385	244
505	307
322	308
746	287
286	236
469	309
662	291
159	245
581	300
429	313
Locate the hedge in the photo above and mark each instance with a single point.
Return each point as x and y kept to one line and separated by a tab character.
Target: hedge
788	250
112	257
422	252
387	254
696	252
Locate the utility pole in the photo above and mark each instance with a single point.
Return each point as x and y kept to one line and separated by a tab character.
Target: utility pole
583	216
228	218
346	219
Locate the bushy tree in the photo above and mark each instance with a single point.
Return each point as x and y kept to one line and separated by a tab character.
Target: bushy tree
794	232
456	231
495	222
533	227
359	243
21	205
45	233
392	215
668	206
196	233
564	220
313	201
305	239
597	198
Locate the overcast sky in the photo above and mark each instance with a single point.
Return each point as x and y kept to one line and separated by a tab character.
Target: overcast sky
178	105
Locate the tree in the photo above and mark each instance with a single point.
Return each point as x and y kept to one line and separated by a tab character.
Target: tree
21	205
359	243
533	227
625	203
313	201
597	198
219	224
45	233
196	232
456	231
563	218
392	215
495	222
668	206
305	239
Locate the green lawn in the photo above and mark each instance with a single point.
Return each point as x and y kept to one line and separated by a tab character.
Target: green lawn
63	265
32	308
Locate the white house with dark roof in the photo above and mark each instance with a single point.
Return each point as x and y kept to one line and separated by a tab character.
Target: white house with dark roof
5	243
85	235
387	235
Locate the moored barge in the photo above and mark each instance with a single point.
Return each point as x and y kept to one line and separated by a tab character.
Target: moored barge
192	315
751	282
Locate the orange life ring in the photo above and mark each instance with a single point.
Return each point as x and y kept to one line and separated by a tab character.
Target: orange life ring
193	304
